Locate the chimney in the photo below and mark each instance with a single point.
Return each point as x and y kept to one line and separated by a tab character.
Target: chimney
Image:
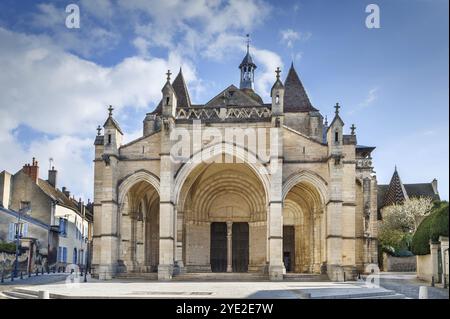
434	183
32	170
66	192
52	174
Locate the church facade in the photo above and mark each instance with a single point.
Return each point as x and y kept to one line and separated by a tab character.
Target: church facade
234	185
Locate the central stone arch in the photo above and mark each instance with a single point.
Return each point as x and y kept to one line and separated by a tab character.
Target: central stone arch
222	207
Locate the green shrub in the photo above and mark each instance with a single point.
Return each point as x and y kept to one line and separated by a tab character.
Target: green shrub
9	248
433	226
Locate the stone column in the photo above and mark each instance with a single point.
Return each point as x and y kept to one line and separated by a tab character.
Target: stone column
167	214
108	243
229	247
434	248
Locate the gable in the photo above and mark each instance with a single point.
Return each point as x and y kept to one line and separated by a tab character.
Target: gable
232	96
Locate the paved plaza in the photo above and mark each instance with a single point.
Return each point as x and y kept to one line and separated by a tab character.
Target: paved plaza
394	286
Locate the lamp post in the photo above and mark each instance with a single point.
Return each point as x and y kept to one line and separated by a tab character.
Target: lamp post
18	231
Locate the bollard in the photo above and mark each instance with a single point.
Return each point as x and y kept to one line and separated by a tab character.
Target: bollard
43	294
12	276
344	276
21	275
37	272
445	281
29	273
54	269
42	270
432	281
423	292
3	279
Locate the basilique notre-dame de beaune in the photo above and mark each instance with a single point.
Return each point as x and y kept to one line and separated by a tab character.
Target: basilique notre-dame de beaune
315	213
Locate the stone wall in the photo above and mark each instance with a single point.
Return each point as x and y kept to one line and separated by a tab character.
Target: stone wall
391	263
424	267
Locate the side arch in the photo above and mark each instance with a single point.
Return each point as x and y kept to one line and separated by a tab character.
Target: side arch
307	177
139	176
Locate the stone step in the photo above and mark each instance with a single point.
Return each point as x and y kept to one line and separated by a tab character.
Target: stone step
393	296
305	277
221	277
142	276
15	294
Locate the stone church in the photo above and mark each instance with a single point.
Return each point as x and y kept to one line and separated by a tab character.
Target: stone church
307	204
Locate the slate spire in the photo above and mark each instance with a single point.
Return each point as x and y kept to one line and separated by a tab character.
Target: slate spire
295	97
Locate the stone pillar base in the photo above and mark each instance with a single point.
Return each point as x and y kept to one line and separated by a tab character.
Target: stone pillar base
106	272
165	272
276	273
179	268
351	273
335	272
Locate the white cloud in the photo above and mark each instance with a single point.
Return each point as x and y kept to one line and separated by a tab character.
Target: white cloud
371	97
64	98
90	39
289	37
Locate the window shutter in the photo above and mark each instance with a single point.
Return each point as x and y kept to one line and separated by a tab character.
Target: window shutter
25	230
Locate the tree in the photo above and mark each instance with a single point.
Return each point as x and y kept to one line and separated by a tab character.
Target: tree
400	221
408	215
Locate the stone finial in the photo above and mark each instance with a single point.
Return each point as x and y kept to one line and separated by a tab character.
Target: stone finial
326	120
353	128
337	107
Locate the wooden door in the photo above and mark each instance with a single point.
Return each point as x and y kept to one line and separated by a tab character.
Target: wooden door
240	247
289	248
218	247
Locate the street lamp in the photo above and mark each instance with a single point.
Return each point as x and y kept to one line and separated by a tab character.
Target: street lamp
19	231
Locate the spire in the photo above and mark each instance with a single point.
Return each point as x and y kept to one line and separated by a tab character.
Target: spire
181	91
396	193
295	97
247	68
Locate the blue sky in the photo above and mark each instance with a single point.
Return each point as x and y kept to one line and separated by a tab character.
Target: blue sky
56	82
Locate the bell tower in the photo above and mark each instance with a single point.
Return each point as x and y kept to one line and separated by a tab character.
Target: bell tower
247	68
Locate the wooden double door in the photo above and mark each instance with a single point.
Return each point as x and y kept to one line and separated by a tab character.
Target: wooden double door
239	244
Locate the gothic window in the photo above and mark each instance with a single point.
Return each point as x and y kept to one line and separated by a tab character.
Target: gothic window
277	99
167	100
109	138
336	137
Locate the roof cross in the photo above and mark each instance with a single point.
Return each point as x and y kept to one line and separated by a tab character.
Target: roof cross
278	71
337	107
110	109
248	42
99	130
168	75
353	128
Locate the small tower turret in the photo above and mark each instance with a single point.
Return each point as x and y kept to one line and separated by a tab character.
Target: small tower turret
277	94
169	102
112	134
247	68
